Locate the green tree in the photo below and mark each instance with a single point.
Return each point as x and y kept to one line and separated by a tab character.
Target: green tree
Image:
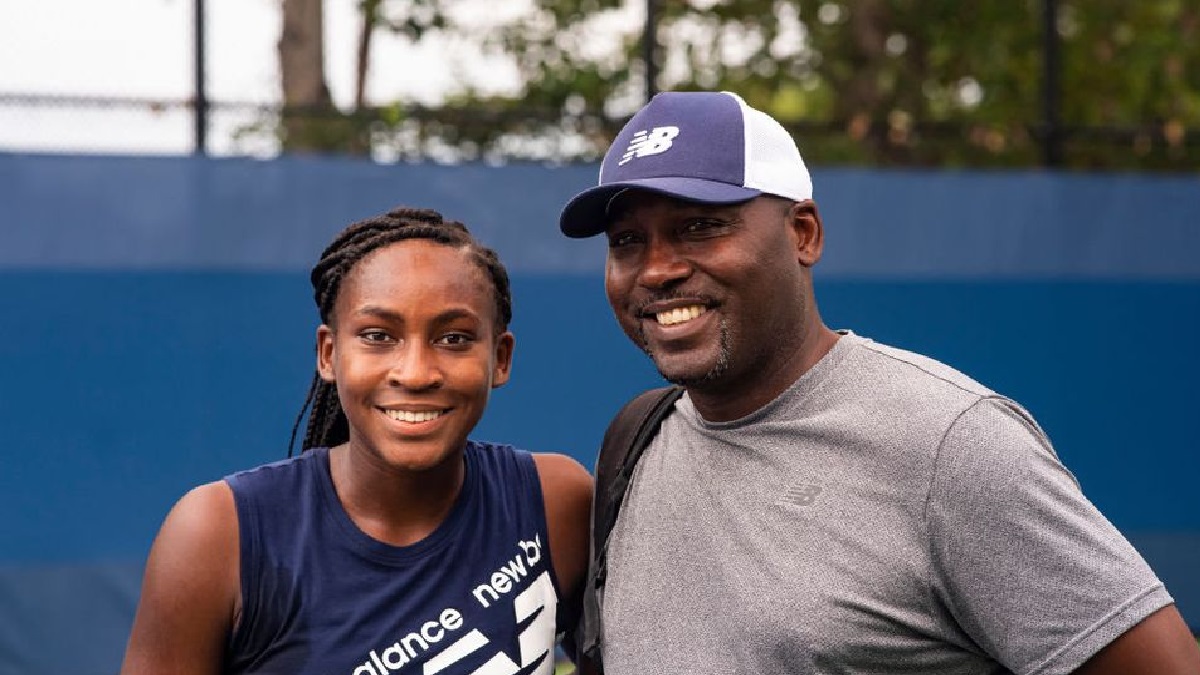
880	82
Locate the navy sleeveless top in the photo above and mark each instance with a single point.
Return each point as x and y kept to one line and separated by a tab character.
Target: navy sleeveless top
320	596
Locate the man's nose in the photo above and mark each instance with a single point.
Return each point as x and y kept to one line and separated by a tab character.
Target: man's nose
663	264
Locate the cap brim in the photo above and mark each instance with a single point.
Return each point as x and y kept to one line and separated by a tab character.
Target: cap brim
586	214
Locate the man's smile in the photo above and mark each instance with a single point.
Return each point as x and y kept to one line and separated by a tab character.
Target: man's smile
679	315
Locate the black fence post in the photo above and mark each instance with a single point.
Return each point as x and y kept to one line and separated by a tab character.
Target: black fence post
201	97
650	49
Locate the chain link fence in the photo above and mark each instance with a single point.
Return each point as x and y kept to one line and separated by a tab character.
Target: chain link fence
117	125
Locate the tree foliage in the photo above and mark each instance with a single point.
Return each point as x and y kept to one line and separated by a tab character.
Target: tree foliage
880	82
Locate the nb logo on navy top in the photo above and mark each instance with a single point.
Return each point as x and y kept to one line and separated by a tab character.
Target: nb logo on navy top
653	142
801	495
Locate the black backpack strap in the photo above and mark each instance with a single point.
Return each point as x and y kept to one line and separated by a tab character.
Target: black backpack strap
624	441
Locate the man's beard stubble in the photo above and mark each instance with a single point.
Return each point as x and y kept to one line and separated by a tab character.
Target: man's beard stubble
719	368
724	351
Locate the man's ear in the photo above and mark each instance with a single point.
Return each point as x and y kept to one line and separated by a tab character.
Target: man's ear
502	366
325	353
810	233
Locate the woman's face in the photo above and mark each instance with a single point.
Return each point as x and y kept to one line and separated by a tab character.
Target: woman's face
414	350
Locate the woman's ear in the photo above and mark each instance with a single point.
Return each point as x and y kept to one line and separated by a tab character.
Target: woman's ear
325	353
502	363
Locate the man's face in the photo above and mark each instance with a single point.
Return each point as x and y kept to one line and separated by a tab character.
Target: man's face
715	294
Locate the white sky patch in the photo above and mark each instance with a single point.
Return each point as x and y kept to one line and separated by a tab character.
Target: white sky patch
143	49
127	47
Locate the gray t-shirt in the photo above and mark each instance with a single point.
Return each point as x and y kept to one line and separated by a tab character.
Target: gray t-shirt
885	514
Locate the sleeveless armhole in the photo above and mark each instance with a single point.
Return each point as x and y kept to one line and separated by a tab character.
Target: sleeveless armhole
255	496
531	484
565	613
248	562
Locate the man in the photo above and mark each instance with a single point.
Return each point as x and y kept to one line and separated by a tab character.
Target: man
817	502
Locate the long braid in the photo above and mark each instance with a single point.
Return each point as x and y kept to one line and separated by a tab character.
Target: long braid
327	423
308	398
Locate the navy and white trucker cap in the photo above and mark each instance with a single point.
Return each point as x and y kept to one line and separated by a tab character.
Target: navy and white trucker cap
701	146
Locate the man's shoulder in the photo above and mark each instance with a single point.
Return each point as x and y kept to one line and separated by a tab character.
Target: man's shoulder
890	384
898	368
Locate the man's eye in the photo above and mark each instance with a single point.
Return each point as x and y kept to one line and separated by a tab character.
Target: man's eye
621	239
700	226
455	339
375	336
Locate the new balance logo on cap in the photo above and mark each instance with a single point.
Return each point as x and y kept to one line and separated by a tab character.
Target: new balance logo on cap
701	146
651	142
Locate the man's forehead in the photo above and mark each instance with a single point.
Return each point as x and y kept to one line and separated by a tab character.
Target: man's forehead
630	201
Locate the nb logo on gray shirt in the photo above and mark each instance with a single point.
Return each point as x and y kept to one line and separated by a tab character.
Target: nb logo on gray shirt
801	495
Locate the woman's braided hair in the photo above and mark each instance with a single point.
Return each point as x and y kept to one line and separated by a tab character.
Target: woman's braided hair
327	424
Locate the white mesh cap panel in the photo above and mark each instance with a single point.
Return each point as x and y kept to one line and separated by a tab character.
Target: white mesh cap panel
773	162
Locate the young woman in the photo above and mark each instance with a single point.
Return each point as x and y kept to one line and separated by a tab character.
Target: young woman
393	543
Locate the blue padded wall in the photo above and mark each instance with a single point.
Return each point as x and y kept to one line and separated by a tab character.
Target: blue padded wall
159	334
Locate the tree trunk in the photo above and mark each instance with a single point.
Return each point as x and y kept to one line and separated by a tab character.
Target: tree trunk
306	96
370	18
